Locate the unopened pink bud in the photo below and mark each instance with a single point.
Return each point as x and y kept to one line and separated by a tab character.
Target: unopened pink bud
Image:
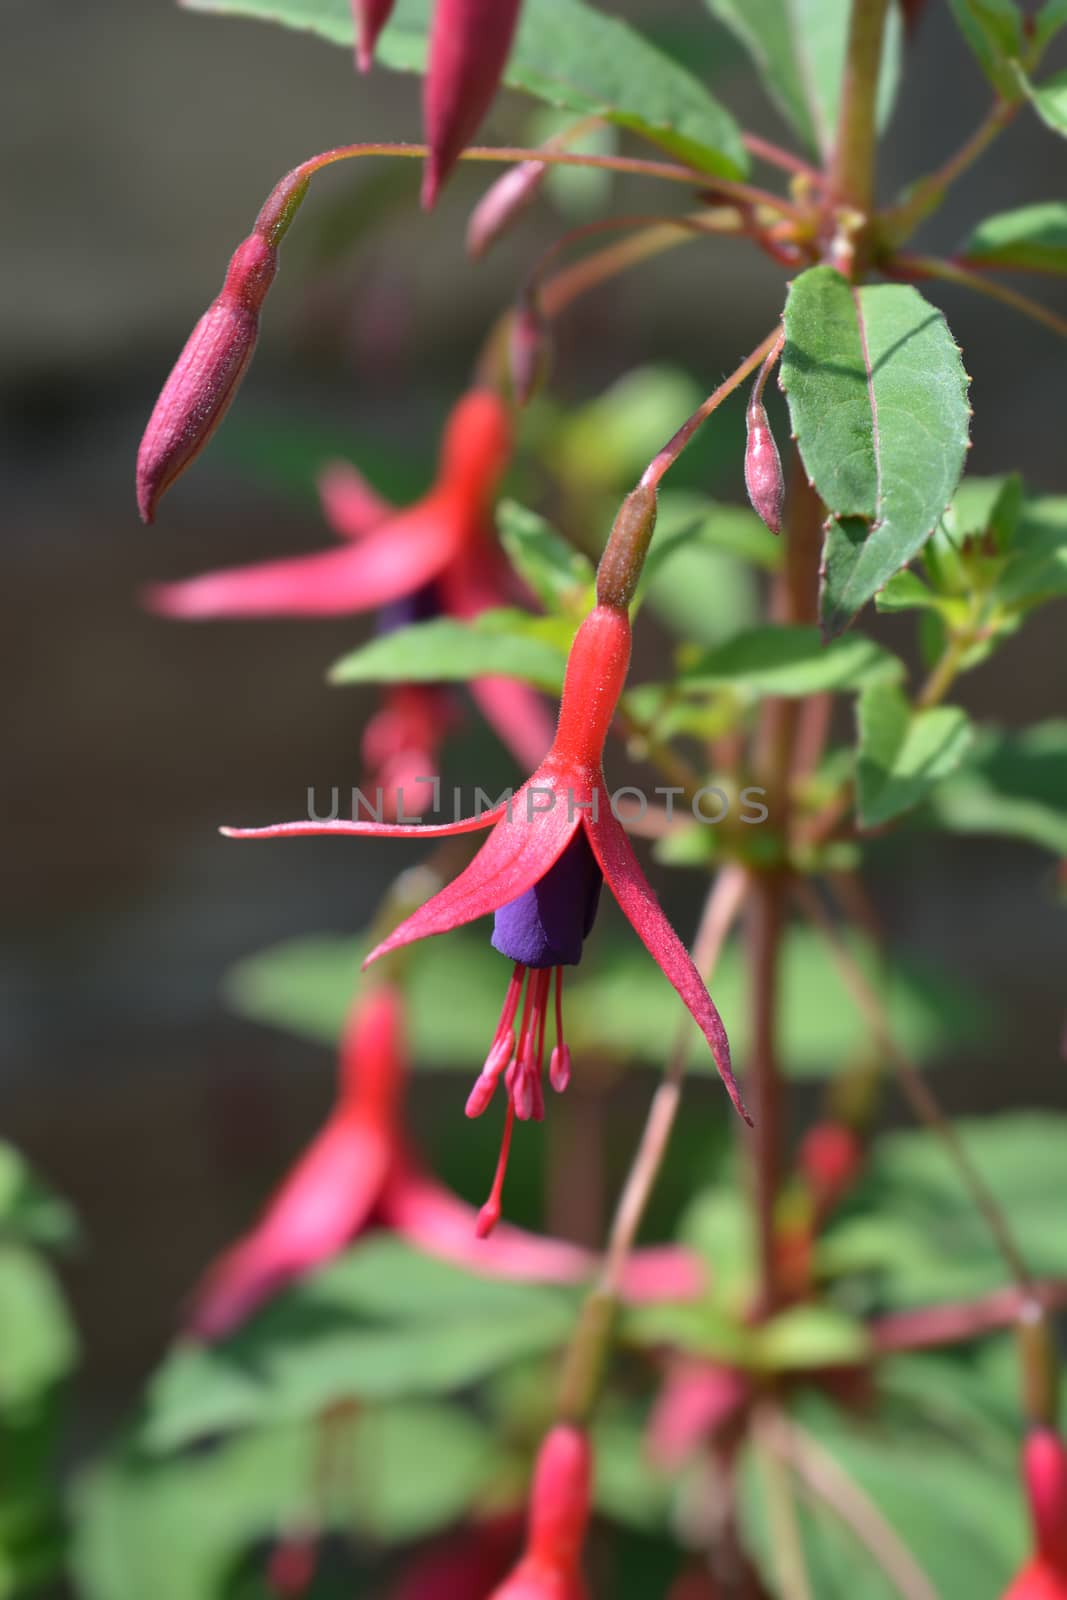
764	479
370	17
504	201
206	375
529	351
469	44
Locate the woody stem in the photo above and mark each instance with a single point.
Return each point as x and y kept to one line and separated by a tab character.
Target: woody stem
590	1342
852	162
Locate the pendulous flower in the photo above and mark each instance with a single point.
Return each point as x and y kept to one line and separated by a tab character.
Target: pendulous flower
550	1568
433	557
469	45
370	17
1044	1577
360	1171
551	846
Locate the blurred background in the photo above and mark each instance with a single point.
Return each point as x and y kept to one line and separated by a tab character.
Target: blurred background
139	142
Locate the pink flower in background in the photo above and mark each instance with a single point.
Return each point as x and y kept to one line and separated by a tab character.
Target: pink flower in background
359	1172
540	871
698	1400
431	558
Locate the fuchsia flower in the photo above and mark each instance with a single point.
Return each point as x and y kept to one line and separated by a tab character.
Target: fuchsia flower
550	1568
360	1171
1044	1577
539	872
469	44
436	556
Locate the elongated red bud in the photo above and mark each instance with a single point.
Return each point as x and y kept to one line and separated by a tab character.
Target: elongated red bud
207	374
559	1513
504	201
1045	1472
529	351
370	17
764	479
469	44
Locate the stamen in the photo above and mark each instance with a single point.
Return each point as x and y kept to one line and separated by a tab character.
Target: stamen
489	1215
544	989
559	1066
502	1049
519	1072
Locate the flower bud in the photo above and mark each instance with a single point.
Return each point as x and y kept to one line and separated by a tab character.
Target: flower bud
469	44
763	467
559	1512
370	17
529	351
504	201
206	375
1045	1472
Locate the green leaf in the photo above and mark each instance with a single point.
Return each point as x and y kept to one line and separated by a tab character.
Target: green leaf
913	1183
1033	237
807	1337
29	1210
1036	569
794	661
1050	102
693	579
1049	20
798	47
39	1345
507	644
877	398
179	1527
686	518
617	1001
906	591
959	1517
557	574
994	31
903	754
1014	784
565	53
31	1515
379	1323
